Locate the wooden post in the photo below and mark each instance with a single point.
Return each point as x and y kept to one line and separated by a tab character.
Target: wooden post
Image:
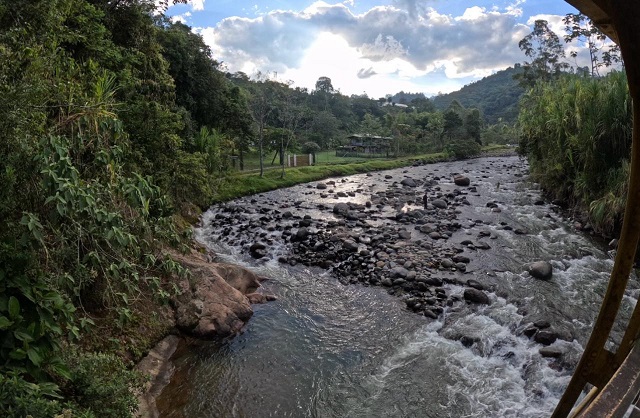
597	365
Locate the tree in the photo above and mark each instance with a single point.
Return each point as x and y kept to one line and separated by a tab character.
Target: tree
473	125
292	114
422	104
324	85
601	53
371	125
261	107
324	128
452	123
544	49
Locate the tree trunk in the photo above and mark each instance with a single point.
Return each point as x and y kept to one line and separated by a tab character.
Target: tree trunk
260	148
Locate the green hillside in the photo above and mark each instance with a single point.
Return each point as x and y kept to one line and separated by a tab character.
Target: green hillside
496	96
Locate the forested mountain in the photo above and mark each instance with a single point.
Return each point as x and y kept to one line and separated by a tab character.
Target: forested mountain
496	96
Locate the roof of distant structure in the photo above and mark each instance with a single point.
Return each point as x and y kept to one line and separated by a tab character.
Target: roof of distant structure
365	136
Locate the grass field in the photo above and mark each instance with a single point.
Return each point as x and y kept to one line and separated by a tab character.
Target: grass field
252	160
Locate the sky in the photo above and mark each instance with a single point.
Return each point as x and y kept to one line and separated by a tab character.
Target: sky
376	47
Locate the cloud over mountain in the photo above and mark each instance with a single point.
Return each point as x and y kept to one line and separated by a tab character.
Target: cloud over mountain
477	42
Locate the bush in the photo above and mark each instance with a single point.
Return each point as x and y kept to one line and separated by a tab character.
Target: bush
102	384
19	398
463	148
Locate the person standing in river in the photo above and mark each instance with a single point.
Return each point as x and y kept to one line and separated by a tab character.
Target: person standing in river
425	199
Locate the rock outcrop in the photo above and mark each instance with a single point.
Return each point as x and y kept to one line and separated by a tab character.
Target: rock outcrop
213	301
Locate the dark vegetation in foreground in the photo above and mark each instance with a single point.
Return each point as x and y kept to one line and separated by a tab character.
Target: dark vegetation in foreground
576	133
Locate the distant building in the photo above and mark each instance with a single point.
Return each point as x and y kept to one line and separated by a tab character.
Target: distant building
400	105
367	146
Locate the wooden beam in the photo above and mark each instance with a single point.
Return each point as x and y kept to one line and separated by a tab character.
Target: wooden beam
616	397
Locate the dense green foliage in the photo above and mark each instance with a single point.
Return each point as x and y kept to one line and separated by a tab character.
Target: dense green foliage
496	96
97	153
576	132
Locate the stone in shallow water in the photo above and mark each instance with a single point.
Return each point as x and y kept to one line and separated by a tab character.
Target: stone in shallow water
545	337
540	270
476	296
552	352
461	180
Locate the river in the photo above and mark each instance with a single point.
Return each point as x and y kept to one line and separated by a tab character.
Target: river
328	349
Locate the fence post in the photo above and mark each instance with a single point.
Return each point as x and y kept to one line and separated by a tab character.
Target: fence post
295	160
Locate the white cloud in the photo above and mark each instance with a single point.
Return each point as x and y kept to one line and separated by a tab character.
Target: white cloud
515	9
181	18
473	13
554	22
197	4
385	49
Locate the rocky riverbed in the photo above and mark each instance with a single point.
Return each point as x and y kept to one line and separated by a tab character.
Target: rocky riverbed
412	234
477	304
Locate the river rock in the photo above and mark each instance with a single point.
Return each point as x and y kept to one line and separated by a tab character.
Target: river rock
553	352
542	324
301	234
545	337
321	186
434	281
447	263
430	314
461	259
435	235
461	180
350	245
258	250
428	228
404	234
399	272
476	296
341	209
475	284
468	341
409	182
541	270
439	203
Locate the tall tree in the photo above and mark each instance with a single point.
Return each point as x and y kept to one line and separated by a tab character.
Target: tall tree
546	55
473	125
601	53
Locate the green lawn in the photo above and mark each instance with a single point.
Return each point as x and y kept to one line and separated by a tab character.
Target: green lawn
252	160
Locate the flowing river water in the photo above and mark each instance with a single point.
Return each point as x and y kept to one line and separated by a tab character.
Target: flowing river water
328	349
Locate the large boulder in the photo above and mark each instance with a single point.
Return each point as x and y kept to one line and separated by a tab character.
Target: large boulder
541	270
212	301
